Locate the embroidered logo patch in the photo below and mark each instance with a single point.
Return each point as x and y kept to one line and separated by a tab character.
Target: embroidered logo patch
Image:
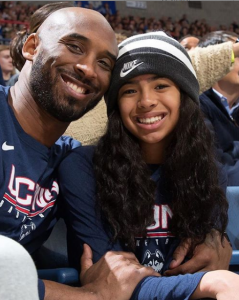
129	67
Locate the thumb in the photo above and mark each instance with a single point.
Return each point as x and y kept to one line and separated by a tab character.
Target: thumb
86	259
179	254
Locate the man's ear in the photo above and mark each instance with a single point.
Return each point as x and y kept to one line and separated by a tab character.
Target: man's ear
29	47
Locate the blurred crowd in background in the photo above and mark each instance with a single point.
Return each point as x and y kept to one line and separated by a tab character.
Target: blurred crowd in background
14	17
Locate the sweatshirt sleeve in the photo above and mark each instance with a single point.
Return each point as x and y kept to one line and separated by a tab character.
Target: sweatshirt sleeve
211	63
179	287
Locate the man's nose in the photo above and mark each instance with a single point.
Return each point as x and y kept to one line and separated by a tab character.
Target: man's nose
88	68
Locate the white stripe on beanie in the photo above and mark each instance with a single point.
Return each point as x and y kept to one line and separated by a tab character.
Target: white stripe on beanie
134	37
157	44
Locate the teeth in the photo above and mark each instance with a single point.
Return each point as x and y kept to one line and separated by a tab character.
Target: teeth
150	120
76	88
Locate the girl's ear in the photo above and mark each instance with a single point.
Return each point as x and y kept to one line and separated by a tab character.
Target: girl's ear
29	47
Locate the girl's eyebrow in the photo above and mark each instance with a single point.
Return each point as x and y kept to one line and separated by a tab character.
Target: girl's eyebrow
134	81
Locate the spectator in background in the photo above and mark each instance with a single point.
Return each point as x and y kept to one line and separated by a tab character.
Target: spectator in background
18	11
1	78
218	104
189	42
7	67
106	10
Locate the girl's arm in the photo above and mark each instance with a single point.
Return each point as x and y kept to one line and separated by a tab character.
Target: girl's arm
221	285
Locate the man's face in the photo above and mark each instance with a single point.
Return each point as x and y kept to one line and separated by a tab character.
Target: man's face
230	82
190	43
72	67
6	61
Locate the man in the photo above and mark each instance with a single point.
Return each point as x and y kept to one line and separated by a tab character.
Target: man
219	105
67	71
6	63
189	42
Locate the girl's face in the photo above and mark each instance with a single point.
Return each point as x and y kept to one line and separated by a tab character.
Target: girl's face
149	108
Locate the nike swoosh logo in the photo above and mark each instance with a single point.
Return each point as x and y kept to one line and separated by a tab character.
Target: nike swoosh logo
6	147
123	74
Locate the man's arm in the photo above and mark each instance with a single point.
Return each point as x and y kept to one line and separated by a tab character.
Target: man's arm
212	63
114	276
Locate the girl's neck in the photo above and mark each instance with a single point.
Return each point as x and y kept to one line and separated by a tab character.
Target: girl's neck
153	153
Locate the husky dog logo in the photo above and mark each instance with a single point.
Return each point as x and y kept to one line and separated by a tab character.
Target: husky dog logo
26	230
129	67
154	260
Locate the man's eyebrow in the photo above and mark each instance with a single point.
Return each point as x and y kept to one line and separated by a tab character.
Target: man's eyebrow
80	37
111	55
77	36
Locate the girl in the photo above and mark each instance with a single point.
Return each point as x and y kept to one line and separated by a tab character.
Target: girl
158	153
155	177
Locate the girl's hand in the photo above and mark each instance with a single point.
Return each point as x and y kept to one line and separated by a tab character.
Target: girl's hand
208	256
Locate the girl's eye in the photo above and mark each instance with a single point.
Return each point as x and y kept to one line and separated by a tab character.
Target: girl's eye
161	86
129	91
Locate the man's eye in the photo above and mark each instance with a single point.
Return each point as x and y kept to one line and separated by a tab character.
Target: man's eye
106	64
74	48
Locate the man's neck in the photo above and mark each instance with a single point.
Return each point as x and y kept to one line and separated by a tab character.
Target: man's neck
6	75
33	119
230	92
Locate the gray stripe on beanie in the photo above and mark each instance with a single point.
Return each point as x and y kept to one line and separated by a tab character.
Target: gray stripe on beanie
152	53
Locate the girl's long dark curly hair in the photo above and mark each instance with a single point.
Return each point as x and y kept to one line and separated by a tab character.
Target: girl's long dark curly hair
126	194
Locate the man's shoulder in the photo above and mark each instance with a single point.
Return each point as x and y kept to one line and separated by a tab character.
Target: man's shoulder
62	147
4	90
210	102
67	142
205	96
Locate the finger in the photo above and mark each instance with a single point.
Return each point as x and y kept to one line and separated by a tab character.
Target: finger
148	271
86	259
190	266
179	254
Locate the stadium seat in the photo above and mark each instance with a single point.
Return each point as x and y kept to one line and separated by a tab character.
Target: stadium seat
52	258
233	225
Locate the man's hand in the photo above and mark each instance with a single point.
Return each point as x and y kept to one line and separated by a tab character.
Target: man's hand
210	255
115	275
